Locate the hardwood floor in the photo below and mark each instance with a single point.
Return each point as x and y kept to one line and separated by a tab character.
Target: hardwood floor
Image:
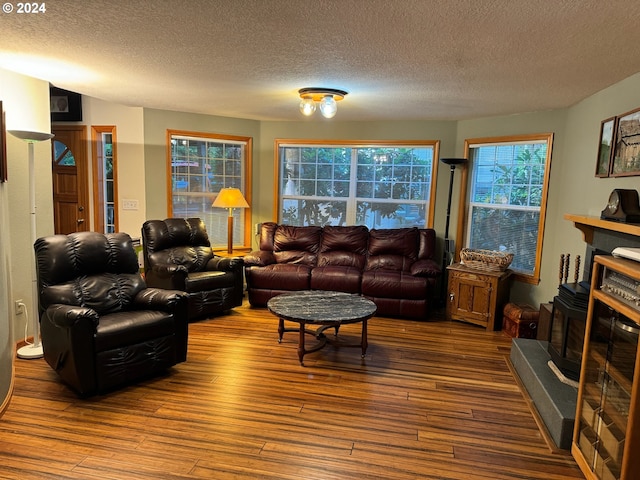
431	400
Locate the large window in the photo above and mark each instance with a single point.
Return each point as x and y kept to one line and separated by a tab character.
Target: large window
200	165
507	182
380	185
105	186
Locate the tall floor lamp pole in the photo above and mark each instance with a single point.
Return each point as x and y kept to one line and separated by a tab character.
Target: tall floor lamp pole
448	244
34	350
230	198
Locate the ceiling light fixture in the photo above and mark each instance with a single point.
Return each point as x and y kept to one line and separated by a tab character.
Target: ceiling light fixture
326	97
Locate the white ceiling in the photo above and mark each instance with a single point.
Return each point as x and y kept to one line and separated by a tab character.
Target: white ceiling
399	60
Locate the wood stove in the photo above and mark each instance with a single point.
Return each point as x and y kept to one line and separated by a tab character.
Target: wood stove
567	336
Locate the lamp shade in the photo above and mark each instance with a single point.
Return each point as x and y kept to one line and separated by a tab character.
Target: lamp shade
230	198
453	161
31	137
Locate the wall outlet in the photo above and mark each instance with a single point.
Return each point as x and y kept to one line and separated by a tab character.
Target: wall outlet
258	227
19	307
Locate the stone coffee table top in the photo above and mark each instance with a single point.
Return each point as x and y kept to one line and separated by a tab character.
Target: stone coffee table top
322	309
319	306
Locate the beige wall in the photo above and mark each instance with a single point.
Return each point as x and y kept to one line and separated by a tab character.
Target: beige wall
156	124
130	156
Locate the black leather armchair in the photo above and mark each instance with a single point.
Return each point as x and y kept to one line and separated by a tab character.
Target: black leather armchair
178	255
101	326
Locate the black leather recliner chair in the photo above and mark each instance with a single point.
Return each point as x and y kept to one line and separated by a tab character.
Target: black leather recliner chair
101	326
178	255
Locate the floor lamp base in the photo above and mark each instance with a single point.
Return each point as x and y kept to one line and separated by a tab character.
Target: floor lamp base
31	352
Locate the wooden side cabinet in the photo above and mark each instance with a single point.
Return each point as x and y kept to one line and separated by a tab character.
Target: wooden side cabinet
477	296
606	435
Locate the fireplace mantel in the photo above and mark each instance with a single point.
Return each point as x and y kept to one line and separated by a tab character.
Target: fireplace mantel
588	224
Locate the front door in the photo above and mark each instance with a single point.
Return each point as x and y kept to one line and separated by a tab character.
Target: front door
70	179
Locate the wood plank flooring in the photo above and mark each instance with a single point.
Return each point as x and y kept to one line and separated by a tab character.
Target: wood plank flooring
431	400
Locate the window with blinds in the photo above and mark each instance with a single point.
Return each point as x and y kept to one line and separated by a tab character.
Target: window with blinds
507	200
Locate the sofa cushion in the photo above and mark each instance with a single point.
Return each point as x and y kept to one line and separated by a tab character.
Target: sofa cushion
296	244
106	293
194	259
283	276
392	249
336	278
390	284
345	246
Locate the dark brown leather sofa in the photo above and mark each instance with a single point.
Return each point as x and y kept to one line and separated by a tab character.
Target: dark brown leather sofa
177	255
395	268
101	326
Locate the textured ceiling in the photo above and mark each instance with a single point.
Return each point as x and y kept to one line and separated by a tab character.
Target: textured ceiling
399	60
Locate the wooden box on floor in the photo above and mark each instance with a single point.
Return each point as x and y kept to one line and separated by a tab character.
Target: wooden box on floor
520	321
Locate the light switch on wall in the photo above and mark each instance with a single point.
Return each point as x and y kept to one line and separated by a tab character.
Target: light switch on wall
130	204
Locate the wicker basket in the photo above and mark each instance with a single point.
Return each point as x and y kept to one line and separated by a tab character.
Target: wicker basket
486	259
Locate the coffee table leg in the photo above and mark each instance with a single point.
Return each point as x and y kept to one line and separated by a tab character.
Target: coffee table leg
280	330
301	351
363	339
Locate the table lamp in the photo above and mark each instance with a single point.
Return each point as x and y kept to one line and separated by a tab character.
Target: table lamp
230	198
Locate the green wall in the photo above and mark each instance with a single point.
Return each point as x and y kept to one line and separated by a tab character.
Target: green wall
156	124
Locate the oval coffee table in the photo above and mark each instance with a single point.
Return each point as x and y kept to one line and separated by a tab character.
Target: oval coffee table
324	309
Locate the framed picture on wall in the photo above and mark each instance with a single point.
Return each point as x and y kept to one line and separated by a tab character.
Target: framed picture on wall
605	147
3	147
65	106
626	154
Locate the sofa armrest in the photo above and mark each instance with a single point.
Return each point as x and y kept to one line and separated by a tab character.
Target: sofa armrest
259	258
159	299
224	264
68	316
168	276
425	268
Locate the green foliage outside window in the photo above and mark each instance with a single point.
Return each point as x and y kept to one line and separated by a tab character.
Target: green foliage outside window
381	187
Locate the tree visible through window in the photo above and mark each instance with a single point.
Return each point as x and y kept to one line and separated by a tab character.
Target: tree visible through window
381	186
507	201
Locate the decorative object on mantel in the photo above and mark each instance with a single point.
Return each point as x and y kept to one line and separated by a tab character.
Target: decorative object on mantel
605	147
563	274
486	259
623	206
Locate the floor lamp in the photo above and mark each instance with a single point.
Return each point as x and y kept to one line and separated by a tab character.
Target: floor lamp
230	198
448	244
35	349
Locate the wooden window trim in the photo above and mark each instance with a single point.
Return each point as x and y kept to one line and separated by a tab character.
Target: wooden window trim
357	144
463	203
246	241
98	176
